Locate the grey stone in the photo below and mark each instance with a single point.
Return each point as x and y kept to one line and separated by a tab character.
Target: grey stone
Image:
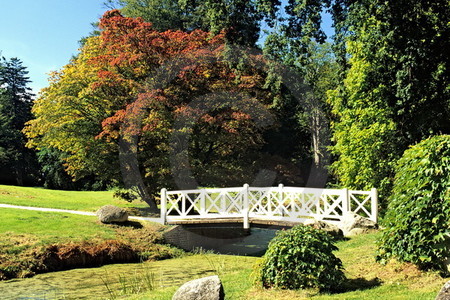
444	293
359	231
351	221
327	227
111	213
207	288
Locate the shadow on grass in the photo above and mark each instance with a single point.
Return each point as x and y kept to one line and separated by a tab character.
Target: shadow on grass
133	224
357	284
142	212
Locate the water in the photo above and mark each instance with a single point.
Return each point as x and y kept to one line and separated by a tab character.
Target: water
93	283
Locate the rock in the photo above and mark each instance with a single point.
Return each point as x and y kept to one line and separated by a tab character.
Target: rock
359	231
444	293
327	227
446	263
351	221
111	213
207	288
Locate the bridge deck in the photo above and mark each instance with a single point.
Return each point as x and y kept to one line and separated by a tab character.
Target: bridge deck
238	220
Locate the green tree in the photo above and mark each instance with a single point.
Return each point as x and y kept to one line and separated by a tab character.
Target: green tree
17	163
298	41
417	219
395	92
163	14
239	19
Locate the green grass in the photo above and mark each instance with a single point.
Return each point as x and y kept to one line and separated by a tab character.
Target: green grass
367	278
21	232
73	200
26	235
168	275
396	280
51	227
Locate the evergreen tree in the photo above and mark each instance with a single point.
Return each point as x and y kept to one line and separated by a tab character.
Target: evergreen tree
17	163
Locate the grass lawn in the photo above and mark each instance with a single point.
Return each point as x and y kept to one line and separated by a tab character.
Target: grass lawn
48	227
73	200
25	235
367	279
23	232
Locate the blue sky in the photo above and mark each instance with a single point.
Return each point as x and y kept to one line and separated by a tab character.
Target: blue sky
44	34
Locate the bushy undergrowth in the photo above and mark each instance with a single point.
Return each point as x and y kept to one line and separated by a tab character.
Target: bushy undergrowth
417	222
301	257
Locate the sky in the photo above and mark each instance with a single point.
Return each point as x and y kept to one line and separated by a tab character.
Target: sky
45	34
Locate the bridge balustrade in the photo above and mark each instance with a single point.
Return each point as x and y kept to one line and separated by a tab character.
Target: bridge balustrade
291	204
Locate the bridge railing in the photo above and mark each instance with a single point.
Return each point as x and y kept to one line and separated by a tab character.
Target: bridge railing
280	203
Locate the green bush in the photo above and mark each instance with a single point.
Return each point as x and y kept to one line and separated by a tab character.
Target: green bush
418	217
301	257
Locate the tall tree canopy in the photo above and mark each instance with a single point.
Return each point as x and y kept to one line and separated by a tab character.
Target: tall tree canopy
396	89
17	163
123	94
393	76
238	19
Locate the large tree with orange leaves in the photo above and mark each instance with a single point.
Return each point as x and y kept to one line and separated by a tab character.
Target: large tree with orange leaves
134	93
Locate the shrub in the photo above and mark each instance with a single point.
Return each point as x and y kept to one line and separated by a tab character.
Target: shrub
417	221
128	195
301	257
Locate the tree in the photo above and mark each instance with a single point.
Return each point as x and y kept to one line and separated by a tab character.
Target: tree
17	163
392	72
298	41
395	91
417	218
122	95
163	14
239	19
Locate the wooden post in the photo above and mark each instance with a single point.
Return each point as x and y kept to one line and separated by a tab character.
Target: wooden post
163	205
281	198
345	202
245	207
203	202
183	204
374	204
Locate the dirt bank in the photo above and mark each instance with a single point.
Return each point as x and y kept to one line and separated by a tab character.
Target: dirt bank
132	245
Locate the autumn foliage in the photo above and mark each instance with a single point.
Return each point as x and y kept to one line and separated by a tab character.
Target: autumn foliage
134	84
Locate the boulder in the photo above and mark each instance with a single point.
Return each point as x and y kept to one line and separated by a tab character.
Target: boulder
359	231
112	214
327	227
444	293
207	288
351	221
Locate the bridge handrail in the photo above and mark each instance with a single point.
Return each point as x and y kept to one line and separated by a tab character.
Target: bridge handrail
277	203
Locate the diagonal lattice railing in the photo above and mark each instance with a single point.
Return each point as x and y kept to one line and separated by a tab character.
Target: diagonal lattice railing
280	203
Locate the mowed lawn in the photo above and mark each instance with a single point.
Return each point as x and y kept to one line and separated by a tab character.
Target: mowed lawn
50	227
73	200
367	278
22	232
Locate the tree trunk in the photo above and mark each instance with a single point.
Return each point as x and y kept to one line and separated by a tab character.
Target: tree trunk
131	174
318	174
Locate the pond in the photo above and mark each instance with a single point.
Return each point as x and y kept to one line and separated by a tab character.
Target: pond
121	279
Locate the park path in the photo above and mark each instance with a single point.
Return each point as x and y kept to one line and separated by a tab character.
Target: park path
76	212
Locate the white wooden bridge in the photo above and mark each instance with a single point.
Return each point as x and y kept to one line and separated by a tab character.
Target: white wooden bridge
265	205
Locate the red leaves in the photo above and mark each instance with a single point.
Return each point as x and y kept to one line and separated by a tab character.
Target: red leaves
144	70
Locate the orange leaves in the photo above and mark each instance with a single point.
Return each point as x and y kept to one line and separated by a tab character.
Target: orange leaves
150	75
